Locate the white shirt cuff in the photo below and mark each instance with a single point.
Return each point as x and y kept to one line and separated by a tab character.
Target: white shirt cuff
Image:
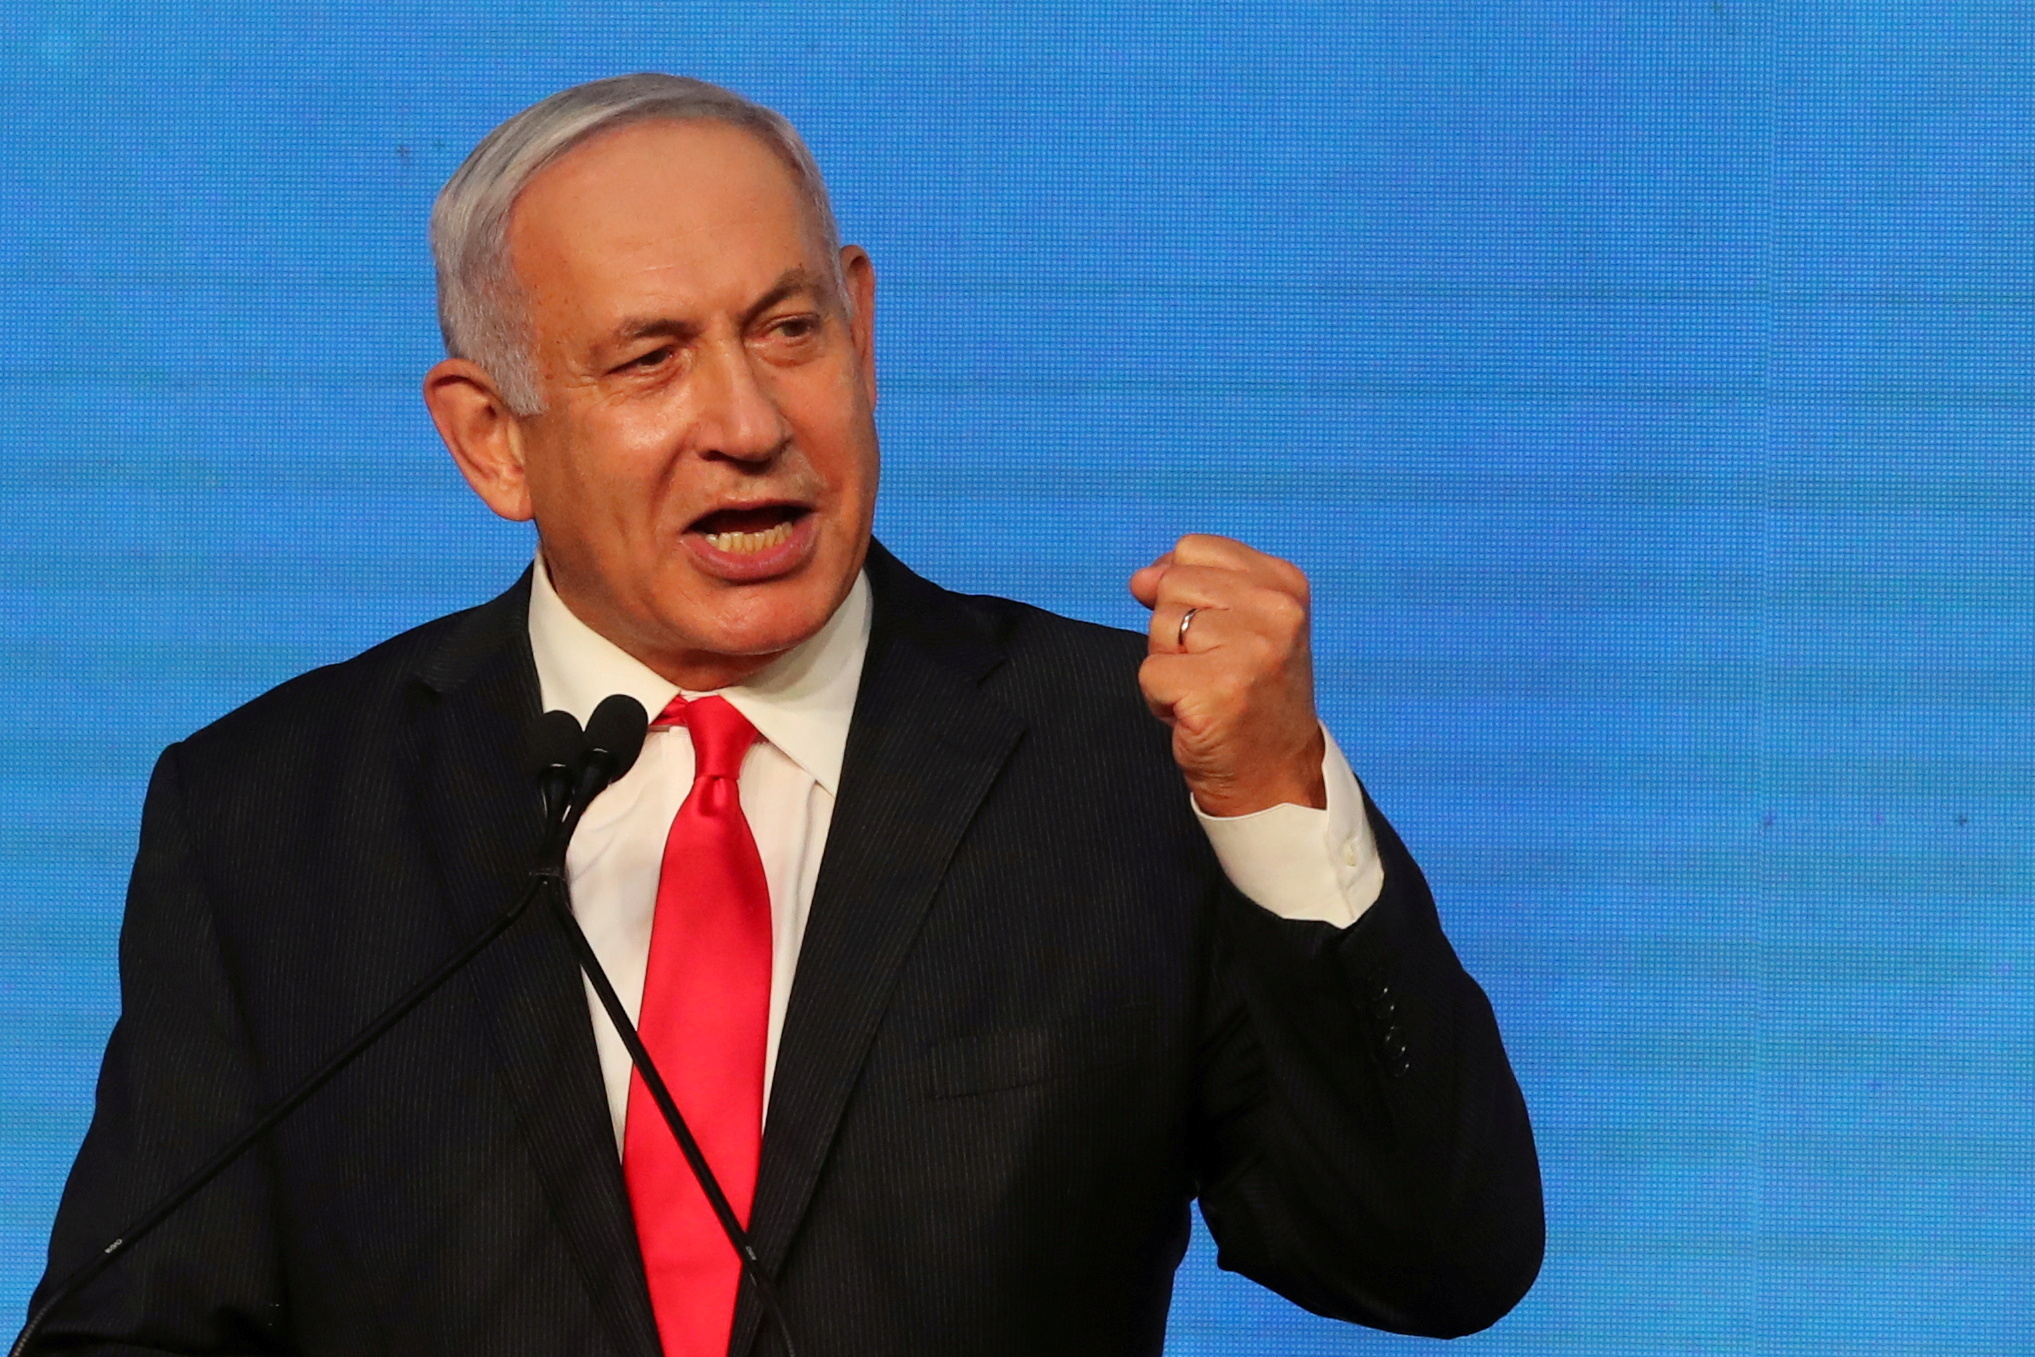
1303	863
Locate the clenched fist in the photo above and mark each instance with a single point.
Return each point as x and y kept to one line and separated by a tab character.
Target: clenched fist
1237	686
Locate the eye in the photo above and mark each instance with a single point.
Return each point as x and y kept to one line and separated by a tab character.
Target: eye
647	362
802	326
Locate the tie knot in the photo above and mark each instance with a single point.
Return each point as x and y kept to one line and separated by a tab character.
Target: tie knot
720	735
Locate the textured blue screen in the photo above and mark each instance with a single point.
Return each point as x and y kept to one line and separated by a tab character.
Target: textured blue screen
1645	387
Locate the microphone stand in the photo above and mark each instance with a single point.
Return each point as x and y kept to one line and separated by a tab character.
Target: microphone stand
613	738
560	897
318	1078
563	809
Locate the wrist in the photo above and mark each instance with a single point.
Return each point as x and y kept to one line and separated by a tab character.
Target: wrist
1296	781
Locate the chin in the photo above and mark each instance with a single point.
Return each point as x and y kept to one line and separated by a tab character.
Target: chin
773	629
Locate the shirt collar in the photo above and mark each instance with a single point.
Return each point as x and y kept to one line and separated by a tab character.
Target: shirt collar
801	702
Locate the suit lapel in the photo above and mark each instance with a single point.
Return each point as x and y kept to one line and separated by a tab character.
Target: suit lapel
481	812
923	749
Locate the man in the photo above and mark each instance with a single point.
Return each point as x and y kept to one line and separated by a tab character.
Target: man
969	973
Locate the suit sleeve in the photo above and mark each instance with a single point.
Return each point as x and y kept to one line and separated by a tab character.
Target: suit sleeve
176	1083
1364	1149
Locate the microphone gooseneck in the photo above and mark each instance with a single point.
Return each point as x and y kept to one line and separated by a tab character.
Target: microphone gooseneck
572	768
276	1112
667	1107
614	738
563	757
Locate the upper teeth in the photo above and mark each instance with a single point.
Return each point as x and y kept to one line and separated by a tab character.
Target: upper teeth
751	541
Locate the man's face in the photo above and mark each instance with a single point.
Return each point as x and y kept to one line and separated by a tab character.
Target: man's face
703	475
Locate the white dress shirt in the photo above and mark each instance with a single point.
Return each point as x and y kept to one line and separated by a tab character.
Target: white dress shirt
1296	861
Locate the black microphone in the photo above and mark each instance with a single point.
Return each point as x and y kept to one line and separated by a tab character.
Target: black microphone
614	737
572	769
555	748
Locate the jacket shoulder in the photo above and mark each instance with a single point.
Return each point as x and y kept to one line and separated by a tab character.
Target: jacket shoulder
1041	664
1053	644
357	705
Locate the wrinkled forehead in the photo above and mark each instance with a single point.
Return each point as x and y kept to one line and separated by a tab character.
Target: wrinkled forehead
687	192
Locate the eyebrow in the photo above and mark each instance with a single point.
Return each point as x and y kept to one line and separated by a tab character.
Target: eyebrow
790	283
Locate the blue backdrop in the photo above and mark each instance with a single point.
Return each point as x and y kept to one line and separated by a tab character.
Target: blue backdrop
1645	386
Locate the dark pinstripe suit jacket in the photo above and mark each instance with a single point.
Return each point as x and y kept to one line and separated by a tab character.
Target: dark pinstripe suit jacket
1031	1023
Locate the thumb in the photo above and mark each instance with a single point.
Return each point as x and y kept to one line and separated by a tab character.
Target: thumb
1145	580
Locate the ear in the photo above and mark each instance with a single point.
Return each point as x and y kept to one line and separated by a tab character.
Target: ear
860	276
482	433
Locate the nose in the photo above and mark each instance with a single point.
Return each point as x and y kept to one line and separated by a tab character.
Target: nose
736	415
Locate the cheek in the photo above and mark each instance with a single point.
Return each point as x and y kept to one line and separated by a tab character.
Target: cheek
622	450
835	426
592	480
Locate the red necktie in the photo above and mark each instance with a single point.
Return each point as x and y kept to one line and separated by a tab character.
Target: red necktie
705	1019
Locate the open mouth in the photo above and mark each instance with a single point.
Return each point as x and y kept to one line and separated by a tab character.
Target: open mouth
749	532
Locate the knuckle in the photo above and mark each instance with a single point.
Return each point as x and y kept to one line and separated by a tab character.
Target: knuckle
1202	548
1157	675
1285	611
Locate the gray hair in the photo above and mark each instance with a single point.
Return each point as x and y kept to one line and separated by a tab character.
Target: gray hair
479	303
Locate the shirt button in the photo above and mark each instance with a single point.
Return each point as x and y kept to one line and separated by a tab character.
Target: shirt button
1349	855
